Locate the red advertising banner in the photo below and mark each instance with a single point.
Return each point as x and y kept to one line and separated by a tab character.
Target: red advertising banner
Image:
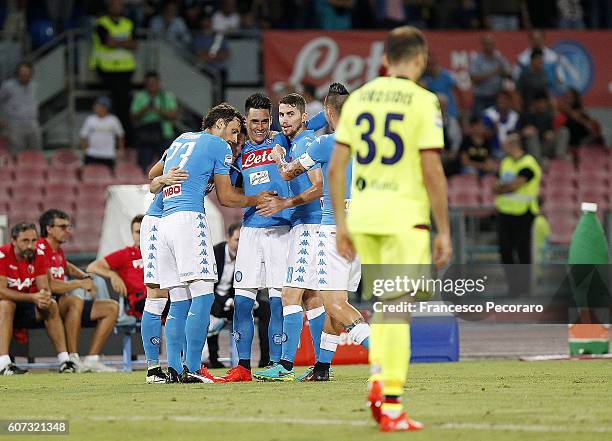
354	57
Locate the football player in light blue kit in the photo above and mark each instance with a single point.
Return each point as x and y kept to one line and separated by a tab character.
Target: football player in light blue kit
262	252
301	279
185	255
335	275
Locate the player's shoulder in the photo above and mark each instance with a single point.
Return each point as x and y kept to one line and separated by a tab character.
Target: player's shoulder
190	136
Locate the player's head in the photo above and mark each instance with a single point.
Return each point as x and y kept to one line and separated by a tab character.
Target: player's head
337	95
135	228
233	237
258	110
292	114
151	81
223	121
55	225
24	238
24	72
406	52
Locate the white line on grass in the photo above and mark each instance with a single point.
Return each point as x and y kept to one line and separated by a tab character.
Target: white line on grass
324	422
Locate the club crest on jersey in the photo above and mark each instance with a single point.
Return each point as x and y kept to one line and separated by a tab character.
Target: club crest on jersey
172	191
260	177
257	158
137	264
229	159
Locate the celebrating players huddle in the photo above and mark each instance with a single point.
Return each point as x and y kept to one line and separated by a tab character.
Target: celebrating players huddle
301	232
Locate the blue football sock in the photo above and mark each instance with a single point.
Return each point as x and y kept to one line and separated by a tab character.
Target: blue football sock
316	320
150	329
196	329
329	344
275	329
244	328
292	330
175	332
326	356
366	343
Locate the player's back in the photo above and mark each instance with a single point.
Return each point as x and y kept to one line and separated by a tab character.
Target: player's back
260	173
202	155
308	213
387	122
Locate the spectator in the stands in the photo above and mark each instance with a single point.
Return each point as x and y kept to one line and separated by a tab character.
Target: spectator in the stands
582	128
125	271
76	310
113	57
502	15
313	105
475	151
552	61
440	81
334	14
571	14
536	126
227	18
500	119
467	15
541	14
533	79
102	136
451	126
19	111
170	26
153	111
487	71
211	47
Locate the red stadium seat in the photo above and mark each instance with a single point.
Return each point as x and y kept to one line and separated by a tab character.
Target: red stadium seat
96	174
20	213
593	181
62	158
127	173
61	189
6	177
95	190
55	174
60	203
563	204
592	154
562	230
597	195
22	189
560	166
460	183
32	158
465	199
28	173
561	192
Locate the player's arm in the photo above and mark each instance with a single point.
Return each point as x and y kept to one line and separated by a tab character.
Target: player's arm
288	170
317	122
229	196
510	187
314	192
336	176
102	268
41	299
174	176
80	280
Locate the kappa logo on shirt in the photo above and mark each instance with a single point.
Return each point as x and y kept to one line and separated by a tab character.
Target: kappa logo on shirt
260	177
172	191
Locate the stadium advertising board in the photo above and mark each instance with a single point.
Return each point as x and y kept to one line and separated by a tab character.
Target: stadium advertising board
355	57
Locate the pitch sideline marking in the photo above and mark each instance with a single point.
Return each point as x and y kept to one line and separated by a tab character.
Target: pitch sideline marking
310	422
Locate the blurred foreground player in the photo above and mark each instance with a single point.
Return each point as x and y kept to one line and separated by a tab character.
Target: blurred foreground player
393	129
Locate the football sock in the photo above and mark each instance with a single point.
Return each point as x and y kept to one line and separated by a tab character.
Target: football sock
360	334
5	360
244	327
150	329
392	406
321	367
316	320
329	344
175	332
275	327
292	328
196	329
245	363
395	359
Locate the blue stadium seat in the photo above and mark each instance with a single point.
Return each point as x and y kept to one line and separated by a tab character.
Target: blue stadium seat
434	339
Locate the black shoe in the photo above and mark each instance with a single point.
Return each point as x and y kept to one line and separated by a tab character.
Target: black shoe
193	377
68	367
172	376
12	369
155	375
216	364
315	375
265	363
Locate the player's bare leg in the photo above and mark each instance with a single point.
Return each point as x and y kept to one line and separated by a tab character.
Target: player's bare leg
151	331
56	332
71	310
105	312
7	315
337	306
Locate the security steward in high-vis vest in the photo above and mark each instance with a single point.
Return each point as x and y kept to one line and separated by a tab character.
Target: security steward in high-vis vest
112	56
516	201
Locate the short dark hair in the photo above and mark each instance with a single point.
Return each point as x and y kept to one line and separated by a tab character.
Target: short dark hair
48	218
24	63
539	94
258	101
151	74
137	220
536	52
337	95
295	100
310	89
221	111
21	227
232	228
404	43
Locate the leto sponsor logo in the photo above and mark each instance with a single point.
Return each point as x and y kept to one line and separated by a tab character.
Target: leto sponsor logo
172	191
321	59
257	158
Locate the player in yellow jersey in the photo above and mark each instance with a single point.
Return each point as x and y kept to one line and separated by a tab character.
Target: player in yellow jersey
392	129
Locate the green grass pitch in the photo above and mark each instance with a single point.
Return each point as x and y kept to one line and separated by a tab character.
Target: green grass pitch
471	400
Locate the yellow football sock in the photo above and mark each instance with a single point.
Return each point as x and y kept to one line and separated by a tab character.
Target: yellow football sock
376	350
395	357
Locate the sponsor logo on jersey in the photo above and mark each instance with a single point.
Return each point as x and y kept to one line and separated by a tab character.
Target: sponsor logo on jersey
260	177
257	158
229	159
172	191
137	264
19	284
